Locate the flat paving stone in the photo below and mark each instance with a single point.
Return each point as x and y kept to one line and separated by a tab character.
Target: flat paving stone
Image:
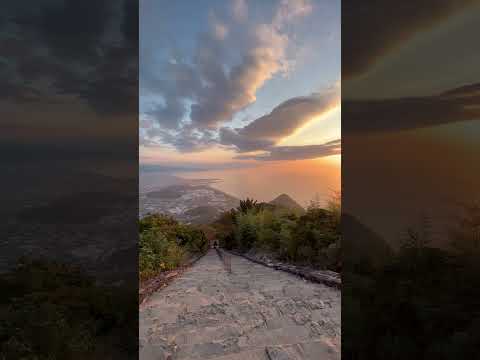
254	312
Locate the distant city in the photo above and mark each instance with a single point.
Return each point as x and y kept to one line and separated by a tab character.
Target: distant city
187	202
192	201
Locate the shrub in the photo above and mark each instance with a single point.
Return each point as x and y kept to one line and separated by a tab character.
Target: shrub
312	238
165	243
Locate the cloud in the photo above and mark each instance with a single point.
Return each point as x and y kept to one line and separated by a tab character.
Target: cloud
296	152
265	132
169	114
259	135
291	9
229	92
241	142
186	140
281	122
371	29
145	123
201	92
388	115
148	142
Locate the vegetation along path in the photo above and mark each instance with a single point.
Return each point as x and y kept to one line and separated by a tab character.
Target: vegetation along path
254	312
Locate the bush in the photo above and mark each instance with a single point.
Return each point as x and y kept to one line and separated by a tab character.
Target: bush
312	238
165	243
158	253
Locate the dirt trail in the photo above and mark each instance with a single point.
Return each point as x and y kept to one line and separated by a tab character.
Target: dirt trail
252	313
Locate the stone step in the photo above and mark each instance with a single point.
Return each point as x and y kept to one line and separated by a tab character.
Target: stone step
207	313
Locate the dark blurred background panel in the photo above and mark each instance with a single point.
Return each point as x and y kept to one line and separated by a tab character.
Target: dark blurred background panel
69	179
410	176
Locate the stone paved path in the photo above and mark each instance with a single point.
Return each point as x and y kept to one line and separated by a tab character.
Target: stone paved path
253	313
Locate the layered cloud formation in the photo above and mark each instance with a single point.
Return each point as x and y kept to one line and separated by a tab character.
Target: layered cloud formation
297	152
287	117
192	100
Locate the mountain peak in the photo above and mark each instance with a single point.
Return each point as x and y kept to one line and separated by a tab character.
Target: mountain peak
286	201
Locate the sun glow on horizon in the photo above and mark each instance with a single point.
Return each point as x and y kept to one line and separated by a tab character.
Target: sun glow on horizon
266	180
335	159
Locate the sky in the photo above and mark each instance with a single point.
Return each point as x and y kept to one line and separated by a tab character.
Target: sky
241	84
